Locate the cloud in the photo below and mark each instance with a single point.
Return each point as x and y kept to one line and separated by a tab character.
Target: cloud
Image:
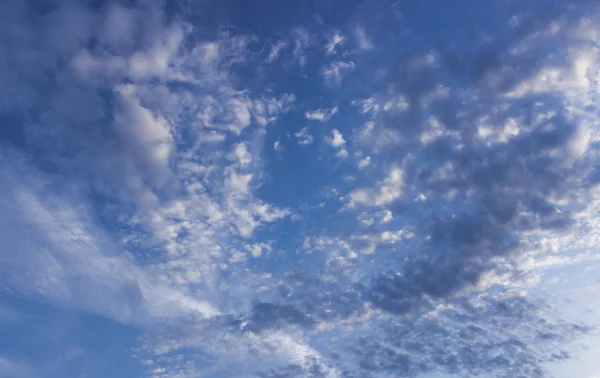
267	110
384	193
150	135
363	42
71	257
321	114
336	140
277	146
334	72
302	41
258	249
240	154
138	187
335	40
364	163
342	153
276	50
303	137
386	216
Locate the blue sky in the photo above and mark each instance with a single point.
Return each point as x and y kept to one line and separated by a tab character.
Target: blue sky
299	189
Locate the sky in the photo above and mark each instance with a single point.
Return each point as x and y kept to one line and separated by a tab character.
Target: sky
316	188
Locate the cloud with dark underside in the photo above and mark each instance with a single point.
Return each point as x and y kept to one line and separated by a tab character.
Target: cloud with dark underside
488	196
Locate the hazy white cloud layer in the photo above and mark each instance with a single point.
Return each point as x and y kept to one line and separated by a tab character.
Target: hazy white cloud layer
350	189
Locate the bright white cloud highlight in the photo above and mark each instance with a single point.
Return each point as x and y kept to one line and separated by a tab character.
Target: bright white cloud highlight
321	114
382	194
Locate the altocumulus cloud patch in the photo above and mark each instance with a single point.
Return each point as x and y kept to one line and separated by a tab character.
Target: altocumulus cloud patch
287	189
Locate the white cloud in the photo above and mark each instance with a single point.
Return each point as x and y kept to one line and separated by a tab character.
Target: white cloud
211	136
238	184
149	134
367	105
336	140
277	146
557	78
173	173
384	193
240	154
386	217
333	72
321	114
304	138
239	114
70	256
342	153
364	163
335	40
258	249
276	50
267	110
580	141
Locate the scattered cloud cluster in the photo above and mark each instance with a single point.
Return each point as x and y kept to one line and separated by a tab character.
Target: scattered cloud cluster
145	183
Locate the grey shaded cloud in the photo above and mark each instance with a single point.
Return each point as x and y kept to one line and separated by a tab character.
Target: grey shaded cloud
489	195
498	191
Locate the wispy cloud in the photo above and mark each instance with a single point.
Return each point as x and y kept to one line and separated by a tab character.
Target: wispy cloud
363	42
302	41
334	41
321	114
303	137
333	73
276	50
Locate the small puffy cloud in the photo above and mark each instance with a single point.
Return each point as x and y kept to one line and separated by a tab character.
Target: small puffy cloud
303	137
277	146
364	163
384	193
258	249
386	216
239	114
336	139
321	114
342	153
238	184
240	154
